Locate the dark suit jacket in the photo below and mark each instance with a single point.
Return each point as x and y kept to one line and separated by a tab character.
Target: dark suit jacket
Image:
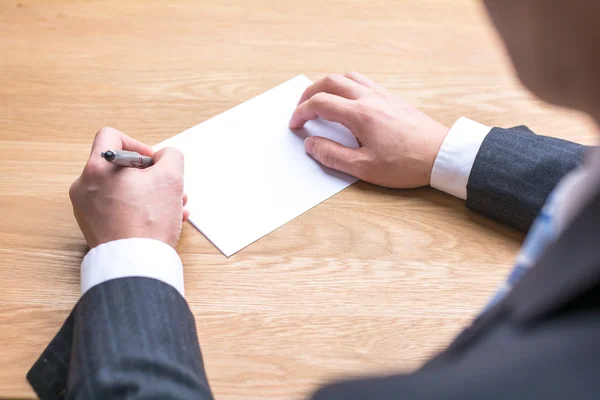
136	338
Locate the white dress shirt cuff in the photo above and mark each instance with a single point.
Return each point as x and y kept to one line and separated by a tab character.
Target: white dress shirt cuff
456	157
135	257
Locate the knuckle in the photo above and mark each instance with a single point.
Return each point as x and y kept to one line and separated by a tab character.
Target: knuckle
320	99
104	131
334	79
93	170
362	167
73	190
363	112
306	92
357	166
328	156
173	178
352	74
176	153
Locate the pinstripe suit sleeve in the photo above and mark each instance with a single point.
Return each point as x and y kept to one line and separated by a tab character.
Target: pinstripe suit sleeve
127	338
514	172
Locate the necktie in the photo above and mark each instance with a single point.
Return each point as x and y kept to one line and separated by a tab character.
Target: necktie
542	232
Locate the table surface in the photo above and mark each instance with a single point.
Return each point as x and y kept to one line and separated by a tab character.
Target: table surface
370	281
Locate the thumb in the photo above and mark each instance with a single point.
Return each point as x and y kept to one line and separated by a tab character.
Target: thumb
332	154
168	160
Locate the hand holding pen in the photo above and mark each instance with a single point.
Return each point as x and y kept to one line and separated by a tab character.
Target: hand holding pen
120	203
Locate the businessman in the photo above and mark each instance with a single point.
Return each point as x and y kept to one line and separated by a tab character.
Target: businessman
132	335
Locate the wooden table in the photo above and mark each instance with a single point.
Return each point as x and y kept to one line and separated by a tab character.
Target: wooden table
371	281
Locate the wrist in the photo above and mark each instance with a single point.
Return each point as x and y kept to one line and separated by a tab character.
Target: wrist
133	257
101	235
437	137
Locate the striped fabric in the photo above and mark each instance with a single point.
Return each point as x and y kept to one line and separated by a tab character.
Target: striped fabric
543	232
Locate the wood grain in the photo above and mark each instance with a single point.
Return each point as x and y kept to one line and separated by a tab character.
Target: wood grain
371	281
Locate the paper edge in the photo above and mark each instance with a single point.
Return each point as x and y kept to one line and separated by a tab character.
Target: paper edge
285	223
157	146
229	253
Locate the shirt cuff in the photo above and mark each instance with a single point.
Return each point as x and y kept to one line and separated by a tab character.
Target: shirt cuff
135	257
456	157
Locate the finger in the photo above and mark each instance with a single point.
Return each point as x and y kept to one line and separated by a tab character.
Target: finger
168	160
362	80
324	105
105	139
131	144
185	199
186	215
333	155
334	84
113	139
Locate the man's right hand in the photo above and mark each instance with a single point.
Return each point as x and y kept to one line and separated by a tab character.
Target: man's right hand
112	202
398	143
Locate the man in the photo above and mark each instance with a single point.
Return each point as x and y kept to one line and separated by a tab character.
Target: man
132	335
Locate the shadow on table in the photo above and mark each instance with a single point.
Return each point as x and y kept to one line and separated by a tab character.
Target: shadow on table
427	198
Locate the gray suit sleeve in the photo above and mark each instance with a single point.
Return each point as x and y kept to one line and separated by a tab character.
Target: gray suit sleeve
514	172
129	338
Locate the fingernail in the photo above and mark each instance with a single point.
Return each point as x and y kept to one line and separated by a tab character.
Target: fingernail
309	145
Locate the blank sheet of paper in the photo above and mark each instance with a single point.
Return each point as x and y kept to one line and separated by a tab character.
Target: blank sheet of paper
246	172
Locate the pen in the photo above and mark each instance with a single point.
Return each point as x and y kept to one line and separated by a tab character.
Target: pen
127	158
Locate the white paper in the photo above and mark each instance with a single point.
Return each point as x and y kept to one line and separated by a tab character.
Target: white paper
246	173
